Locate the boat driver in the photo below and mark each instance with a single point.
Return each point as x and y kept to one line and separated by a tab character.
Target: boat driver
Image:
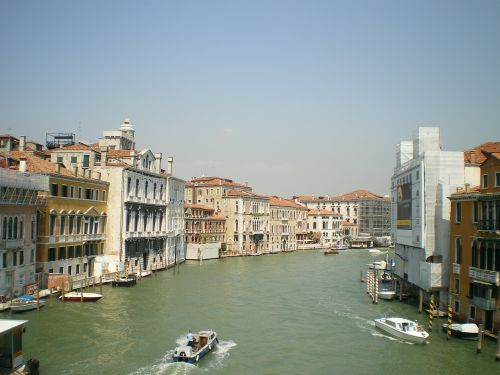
190	338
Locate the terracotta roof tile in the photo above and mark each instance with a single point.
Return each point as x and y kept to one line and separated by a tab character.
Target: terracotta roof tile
74	147
470	190
277	201
348	224
199	206
477	155
352	196
241	193
215	181
35	164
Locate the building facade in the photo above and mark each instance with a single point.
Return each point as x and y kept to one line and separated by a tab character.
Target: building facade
286	224
328	224
475	248
424	177
20	195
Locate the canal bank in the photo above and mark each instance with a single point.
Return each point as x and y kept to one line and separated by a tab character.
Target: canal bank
293	313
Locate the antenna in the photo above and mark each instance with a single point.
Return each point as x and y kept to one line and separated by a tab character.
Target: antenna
79	130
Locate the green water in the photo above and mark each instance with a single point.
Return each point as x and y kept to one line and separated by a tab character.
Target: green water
296	313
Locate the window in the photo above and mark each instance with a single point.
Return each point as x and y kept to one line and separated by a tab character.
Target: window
62	253
103	195
52	224
457	286
69	270
497	179
21	257
64	191
78	224
77	269
146	189
458	212
73	160
472	312
62	228
79	193
456	307
71	224
71	252
52	254
33	228
475	213
61	269
485	181
14	259
86	161
4	228
59	159
71	191
129	182
4	260
88	193
137	187
458	251
53	190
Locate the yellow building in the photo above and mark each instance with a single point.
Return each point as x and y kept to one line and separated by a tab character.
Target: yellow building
71	230
475	249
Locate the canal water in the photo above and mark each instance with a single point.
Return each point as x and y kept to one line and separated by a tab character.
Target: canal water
295	313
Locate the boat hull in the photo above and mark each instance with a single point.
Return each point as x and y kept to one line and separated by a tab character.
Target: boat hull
196	356
77	297
416	337
460	334
32	305
124	282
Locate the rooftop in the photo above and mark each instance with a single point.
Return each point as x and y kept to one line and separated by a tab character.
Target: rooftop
477	155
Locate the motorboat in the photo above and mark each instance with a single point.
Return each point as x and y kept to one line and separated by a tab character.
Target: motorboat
380	265
386	293
404	329
468	331
124	281
331	252
204	342
80	297
143	274
25	303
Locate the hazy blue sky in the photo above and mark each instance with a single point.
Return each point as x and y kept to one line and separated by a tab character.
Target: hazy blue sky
295	97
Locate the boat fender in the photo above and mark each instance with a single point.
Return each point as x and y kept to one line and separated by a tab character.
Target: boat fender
197	357
209	347
182	354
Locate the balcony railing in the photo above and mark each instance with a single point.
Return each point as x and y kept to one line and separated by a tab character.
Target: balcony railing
487	304
484	275
455	268
488	225
12	244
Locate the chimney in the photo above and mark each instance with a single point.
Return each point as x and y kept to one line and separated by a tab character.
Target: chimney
22	164
170	162
104	155
75	171
22	142
132	158
58	167
467	186
158	158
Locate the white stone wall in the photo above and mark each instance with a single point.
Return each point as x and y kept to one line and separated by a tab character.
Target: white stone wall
176	249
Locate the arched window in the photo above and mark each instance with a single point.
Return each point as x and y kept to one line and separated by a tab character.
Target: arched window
15	229
474	254
4	228
10	229
236	225
137	187
154	191
458	251
146	189
136	222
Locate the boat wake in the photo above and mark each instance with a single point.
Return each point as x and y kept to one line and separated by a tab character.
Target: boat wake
378	334
166	365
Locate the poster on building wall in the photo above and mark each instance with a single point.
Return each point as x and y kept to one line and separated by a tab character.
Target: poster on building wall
404	206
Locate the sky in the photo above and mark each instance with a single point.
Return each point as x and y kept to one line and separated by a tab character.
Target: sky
293	97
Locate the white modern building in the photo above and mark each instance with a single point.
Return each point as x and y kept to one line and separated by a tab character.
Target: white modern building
424	177
328	224
176	248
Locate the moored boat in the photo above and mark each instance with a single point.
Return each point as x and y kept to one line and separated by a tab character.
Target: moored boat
404	329
204	342
463	330
122	281
331	252
25	303
80	297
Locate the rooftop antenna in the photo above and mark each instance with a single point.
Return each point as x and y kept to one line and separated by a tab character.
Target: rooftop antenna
79	130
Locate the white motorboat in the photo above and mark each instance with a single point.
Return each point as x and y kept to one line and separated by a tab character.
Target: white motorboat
463	330
25	303
404	329
204	342
386	294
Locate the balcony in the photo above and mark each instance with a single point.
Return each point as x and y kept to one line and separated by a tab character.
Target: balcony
488	225
12	244
455	268
93	237
484	275
486	304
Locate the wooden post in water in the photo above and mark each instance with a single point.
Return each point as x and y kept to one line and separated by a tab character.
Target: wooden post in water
37	299
100	284
400	290
420	300
480	339
375	299
431	312
368	282
498	346
448	331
